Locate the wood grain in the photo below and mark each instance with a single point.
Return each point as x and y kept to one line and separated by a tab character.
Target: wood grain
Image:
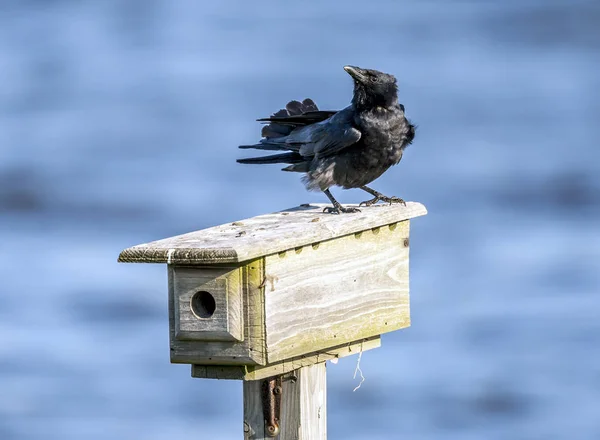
338	292
254	421
266	234
303	406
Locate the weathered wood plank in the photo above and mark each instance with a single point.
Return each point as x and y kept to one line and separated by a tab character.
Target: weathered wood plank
254	420
249	351
303	406
266	234
208	304
343	290
249	372
221	372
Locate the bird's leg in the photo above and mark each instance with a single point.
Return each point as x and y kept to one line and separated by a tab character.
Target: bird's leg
377	196
337	208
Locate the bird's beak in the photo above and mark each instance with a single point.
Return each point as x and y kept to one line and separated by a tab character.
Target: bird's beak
355	72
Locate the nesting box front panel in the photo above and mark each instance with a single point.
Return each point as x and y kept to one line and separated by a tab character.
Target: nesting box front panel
237	298
208	304
337	291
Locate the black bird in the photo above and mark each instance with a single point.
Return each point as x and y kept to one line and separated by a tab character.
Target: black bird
349	148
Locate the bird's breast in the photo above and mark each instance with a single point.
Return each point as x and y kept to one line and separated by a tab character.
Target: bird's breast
382	139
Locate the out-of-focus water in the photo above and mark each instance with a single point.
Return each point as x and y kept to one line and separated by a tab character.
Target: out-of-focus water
119	123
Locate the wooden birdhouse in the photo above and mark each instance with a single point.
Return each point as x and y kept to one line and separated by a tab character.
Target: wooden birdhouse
267	296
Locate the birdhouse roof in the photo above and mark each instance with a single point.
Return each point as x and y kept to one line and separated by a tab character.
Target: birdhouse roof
266	234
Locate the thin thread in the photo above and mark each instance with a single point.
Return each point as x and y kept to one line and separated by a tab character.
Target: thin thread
358	370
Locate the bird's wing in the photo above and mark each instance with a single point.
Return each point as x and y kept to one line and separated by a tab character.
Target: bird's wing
325	138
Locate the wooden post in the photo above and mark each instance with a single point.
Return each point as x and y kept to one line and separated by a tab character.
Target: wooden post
303	406
268	300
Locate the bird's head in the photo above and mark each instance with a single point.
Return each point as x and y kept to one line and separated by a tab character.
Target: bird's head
373	88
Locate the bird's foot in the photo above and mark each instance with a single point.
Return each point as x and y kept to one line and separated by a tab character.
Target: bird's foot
382	198
339	209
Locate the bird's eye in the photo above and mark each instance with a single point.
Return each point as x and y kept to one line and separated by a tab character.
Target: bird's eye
374	79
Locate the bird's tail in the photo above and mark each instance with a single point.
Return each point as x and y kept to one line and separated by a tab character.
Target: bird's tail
281	123
291	158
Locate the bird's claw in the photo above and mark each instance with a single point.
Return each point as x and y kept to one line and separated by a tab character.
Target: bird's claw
339	209
369	202
392	200
383	198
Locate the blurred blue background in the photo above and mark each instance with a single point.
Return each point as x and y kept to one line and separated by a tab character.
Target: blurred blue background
119	122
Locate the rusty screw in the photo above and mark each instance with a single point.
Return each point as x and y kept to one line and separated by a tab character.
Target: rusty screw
272	430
